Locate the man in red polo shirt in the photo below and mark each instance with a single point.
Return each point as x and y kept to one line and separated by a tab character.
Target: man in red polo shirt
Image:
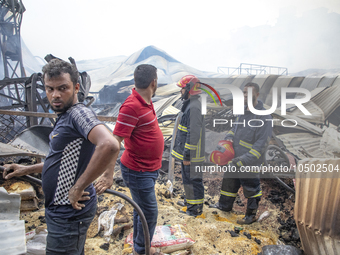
137	125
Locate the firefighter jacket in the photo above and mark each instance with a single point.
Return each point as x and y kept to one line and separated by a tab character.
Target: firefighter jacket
250	134
190	138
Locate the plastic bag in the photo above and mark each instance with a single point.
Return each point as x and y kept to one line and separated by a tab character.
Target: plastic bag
168	238
107	218
36	242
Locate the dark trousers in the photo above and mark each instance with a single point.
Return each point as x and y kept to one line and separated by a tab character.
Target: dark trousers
68	235
251	190
193	186
142	189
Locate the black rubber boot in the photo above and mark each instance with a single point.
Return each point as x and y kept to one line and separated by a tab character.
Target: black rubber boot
194	210
224	203
252	205
249	218
219	207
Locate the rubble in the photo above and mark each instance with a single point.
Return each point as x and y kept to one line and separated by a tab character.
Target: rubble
212	233
217	232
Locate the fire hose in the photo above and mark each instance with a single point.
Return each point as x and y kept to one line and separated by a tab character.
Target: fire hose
34	180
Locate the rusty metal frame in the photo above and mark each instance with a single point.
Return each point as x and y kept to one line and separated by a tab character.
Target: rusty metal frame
251	69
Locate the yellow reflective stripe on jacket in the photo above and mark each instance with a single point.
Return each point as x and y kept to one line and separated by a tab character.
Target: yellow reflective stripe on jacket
182	128
228	194
255	153
231	132
190	146
247	145
200	159
177	155
257	195
239	163
195	202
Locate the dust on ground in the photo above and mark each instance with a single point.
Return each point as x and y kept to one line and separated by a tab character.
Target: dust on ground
212	232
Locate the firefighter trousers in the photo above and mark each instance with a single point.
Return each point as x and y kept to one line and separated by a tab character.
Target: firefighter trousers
193	186
251	190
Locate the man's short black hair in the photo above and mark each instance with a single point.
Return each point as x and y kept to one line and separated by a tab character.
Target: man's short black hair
254	85
144	74
56	67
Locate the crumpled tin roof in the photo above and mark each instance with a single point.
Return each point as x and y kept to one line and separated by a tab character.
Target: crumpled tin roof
317	207
303	145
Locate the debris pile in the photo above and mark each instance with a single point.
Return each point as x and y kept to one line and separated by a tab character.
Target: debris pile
215	232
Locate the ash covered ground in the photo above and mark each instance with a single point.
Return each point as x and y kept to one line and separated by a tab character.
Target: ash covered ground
215	233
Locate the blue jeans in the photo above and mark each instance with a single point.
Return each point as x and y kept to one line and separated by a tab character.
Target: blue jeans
68	235
142	189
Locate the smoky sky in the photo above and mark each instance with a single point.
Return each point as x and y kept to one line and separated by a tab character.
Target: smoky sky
309	40
297	42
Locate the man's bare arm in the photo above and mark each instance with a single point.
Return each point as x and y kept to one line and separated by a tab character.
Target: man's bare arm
107	147
106	179
20	170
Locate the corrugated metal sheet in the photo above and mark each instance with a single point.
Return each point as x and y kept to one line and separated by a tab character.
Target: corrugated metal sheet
7	150
336	82
266	87
296	82
326	81
317	208
310	83
111	110
238	81
304	145
260	79
280	82
170	110
167	127
317	116
218	82
167	89
160	105
242	80
300	123
328	100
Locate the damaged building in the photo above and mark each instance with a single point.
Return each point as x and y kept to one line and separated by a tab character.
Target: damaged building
300	209
313	140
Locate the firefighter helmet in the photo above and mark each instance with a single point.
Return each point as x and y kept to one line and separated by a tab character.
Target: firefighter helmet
191	83
224	153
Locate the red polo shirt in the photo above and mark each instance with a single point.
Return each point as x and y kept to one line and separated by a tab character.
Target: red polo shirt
143	139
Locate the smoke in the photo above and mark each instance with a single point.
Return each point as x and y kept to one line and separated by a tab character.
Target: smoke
297	42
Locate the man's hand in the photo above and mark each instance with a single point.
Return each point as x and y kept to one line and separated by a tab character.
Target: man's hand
103	183
18	170
75	195
186	163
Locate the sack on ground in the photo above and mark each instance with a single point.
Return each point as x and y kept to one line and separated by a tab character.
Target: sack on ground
168	238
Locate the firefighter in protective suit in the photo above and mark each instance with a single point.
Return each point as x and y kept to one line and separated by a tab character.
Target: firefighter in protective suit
189	145
250	135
